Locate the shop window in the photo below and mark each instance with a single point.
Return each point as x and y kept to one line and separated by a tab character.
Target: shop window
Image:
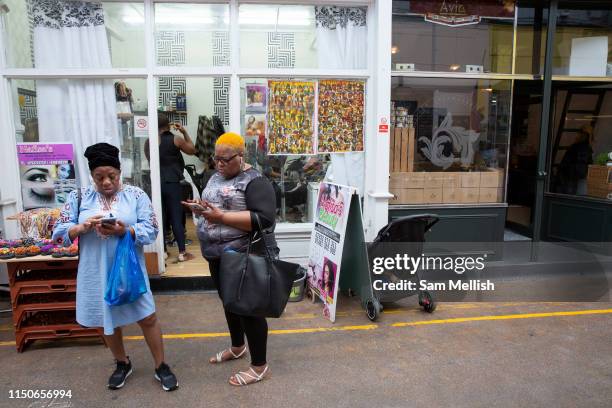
583	40
286	125
274	36
532	19
469	36
581	143
99	35
201	107
78	112
449	140
192	34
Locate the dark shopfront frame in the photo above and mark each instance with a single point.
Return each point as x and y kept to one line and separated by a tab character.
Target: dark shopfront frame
556	217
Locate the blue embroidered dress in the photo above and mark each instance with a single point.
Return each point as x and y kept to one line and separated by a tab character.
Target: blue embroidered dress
132	206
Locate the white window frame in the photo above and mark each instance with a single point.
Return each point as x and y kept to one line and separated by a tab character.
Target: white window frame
378	83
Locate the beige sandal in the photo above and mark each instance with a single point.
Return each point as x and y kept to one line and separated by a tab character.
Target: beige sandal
219	357
246	378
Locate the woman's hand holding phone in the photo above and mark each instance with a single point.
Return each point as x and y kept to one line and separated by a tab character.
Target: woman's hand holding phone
198	207
90	223
107	228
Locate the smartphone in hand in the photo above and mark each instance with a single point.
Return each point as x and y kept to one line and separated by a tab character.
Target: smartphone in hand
109	220
194	206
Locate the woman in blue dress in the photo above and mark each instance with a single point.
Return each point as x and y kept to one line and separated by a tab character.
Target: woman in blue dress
131	207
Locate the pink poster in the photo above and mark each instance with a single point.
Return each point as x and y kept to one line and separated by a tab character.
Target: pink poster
47	173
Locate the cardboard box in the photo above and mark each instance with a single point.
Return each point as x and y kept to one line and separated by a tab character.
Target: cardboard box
492	178
451	180
599	174
407	180
434	179
432	195
450	195
599	181
490	195
468	195
407	196
470	180
413	196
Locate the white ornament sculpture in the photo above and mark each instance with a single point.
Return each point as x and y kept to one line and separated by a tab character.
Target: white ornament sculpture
448	138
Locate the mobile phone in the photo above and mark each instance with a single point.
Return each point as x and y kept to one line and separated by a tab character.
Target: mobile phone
196	206
108	221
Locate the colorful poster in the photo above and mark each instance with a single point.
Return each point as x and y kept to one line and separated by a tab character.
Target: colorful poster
47	173
255	125
291	117
341	116
327	242
256	98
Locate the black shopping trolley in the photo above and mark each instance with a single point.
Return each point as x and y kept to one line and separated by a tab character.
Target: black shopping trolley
410	233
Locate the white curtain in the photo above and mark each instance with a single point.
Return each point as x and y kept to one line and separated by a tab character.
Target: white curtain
342	38
71	34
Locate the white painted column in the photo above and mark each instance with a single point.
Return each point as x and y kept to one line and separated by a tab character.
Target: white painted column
378	106
234	91
10	191
158	246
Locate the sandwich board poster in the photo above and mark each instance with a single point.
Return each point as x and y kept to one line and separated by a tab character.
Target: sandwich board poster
327	243
47	174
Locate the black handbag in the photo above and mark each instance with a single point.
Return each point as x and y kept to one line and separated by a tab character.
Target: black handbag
255	285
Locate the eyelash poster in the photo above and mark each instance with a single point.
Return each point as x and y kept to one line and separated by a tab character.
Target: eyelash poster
341	116
291	117
47	174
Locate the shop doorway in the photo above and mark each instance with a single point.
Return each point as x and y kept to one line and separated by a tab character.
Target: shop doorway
523	160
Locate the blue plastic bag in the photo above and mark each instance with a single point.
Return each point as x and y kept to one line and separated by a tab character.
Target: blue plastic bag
125	282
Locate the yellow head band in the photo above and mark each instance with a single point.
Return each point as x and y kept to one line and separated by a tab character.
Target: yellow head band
231	139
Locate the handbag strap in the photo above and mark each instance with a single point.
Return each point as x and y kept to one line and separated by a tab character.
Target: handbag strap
261	233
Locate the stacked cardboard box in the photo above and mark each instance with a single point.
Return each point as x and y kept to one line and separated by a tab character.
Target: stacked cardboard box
599	181
402	150
447	187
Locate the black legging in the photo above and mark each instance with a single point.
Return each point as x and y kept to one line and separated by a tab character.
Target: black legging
172	194
255	328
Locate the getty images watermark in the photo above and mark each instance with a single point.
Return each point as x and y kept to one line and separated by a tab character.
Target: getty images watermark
404	264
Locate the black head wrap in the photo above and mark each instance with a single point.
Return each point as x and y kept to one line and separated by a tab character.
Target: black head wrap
102	154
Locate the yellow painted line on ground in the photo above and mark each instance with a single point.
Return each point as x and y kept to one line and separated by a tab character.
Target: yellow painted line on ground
183	336
186	336
503	317
325	329
366	327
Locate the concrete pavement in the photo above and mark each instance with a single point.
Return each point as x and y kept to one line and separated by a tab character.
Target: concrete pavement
463	355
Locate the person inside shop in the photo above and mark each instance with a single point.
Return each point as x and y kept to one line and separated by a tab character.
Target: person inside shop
82	217
233	197
172	165
574	166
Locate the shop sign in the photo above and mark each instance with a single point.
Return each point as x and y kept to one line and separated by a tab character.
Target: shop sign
327	243
47	174
456	13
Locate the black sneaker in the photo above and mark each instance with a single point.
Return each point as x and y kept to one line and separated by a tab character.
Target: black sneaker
122	372
166	377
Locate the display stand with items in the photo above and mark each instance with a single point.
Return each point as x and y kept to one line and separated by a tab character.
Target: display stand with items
42	281
43	300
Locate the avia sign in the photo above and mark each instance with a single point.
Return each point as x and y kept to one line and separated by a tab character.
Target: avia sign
456	13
